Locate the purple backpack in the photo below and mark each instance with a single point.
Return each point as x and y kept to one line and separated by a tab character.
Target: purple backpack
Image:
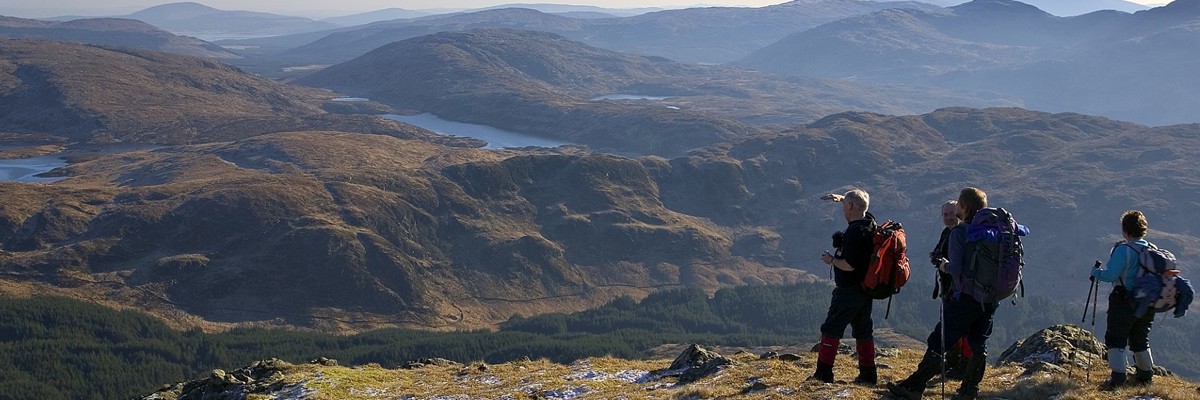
994	256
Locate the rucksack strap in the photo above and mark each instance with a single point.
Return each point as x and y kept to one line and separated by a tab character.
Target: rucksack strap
889	308
1137	250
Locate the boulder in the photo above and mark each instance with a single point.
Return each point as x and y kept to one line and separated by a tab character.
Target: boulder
694	363
1058	345
424	362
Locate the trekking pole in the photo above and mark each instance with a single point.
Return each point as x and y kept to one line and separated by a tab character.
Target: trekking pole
1087	303
1095	288
942	326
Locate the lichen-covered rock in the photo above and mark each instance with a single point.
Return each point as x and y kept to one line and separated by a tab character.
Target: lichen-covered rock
424	362
694	363
258	377
1057	345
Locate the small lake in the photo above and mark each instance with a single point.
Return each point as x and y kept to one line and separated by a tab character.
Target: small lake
24	169
496	138
620	96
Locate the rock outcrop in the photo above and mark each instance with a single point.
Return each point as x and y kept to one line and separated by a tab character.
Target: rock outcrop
694	363
1058	345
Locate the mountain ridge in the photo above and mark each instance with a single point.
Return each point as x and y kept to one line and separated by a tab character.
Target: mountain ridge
1051	63
113	32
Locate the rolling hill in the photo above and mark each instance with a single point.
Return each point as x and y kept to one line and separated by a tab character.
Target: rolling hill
712	34
195	19
351	231
111	32
544	84
82	93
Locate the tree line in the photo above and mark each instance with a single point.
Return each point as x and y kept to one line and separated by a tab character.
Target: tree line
58	348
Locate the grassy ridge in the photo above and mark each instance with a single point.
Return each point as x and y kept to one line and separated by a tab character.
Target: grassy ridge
55	348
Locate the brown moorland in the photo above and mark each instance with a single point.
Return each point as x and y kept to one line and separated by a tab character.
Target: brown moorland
83	93
353	231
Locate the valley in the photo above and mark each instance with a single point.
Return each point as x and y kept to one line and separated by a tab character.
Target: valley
556	182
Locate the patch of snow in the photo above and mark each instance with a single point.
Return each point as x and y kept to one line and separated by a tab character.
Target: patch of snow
488	380
566	394
844	393
1146	397
785	391
589	375
634	376
530	388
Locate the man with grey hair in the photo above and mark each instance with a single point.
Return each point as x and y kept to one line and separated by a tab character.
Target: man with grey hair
850	304
955	360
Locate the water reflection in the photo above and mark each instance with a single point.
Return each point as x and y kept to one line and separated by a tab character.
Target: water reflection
496	138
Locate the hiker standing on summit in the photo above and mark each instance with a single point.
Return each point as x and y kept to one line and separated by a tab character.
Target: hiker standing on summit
987	249
850	304
1124	327
956	361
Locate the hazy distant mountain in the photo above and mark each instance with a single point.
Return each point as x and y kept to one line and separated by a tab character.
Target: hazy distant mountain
1128	66
347	44
564	9
194	19
722	34
1065	8
716	34
386	14
140	96
112	32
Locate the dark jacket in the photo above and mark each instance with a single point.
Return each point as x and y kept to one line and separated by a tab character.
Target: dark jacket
942	250
858	242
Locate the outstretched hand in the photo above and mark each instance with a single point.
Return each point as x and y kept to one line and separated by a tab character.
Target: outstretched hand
836	198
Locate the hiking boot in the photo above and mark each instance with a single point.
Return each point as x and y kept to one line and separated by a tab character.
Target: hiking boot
868	376
966	394
1117	381
957	371
1143	377
824	373
900	390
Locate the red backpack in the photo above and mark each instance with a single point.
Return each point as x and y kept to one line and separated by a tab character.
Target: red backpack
888	270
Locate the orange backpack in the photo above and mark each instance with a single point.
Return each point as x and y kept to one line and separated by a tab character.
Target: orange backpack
889	263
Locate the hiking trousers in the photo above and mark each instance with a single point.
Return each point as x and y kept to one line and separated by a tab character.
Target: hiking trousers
1124	329
965	317
849	306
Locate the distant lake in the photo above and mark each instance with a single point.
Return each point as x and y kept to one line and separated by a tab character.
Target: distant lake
351	99
620	96
496	138
24	169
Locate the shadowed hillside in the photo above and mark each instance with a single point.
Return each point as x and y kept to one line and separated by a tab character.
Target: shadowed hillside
111	32
1105	63
99	94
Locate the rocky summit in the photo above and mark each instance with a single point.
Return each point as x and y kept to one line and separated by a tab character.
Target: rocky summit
696	373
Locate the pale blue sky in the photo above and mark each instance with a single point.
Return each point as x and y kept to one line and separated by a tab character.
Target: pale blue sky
314	8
